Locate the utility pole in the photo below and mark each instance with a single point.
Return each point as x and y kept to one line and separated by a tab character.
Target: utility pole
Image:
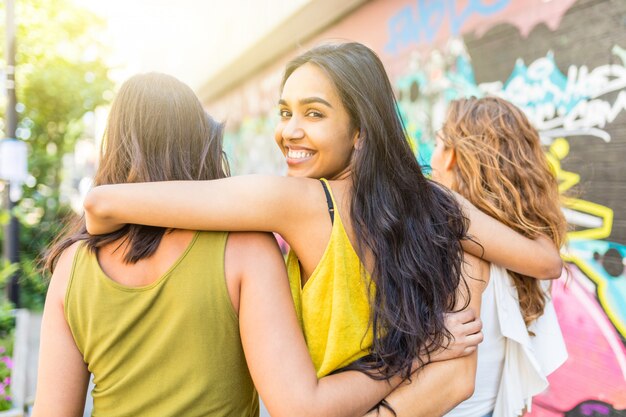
11	233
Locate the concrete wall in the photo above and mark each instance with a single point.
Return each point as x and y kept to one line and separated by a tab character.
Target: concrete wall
564	63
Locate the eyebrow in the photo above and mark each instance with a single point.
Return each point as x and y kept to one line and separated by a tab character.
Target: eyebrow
308	100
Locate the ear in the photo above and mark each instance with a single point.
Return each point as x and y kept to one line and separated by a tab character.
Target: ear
357	140
449	160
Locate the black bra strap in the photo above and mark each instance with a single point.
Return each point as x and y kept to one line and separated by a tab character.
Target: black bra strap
329	201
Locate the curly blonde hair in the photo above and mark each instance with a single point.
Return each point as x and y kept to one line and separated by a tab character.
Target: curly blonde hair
502	169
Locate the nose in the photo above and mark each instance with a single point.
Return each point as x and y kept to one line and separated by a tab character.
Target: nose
292	130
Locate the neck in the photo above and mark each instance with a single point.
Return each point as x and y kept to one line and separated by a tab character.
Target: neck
342	175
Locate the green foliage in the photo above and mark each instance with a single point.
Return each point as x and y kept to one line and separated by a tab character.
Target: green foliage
33	285
7	320
60	76
7	327
6	364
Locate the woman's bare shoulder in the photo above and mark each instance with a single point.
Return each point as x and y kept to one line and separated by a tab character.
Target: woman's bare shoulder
62	272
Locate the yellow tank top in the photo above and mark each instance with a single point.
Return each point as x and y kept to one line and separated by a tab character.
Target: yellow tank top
171	348
333	306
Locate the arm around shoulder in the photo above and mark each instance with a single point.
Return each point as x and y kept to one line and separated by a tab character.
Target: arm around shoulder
242	203
497	243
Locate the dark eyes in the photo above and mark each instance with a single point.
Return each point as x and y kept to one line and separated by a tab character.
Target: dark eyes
314	113
311	113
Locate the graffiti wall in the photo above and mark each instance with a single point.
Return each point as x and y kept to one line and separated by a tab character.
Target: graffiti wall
564	63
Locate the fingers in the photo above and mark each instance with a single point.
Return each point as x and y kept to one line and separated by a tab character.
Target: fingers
459	331
464	316
472	327
464	346
465	328
473	339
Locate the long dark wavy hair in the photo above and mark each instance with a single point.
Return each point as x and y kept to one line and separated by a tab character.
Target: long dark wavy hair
157	130
412	227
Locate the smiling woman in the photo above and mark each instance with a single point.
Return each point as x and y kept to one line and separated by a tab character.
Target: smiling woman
314	132
376	257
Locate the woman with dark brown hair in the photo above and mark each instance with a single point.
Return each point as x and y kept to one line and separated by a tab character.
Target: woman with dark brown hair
162	318
488	152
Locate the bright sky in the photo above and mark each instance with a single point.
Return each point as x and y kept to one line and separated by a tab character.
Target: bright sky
190	39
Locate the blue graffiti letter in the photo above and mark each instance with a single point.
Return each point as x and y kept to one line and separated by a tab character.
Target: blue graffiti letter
474	6
431	16
401	30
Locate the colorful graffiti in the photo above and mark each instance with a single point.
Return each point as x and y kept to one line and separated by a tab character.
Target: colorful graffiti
557	105
564	63
594	409
580	106
596	367
250	147
421	22
564	106
424	93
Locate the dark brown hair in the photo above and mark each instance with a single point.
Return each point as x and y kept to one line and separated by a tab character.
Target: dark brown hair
412	227
157	130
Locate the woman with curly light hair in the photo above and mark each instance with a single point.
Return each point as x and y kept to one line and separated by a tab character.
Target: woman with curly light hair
488	151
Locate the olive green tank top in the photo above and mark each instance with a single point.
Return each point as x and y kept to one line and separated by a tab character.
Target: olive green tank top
171	348
333	306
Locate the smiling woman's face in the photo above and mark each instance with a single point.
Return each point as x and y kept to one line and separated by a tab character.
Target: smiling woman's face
314	132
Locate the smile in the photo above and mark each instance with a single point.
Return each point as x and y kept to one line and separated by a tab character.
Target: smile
298	155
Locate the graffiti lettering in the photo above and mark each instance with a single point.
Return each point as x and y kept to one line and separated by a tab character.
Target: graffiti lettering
559	104
422	22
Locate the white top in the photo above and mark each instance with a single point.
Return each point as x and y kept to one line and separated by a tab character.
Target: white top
512	365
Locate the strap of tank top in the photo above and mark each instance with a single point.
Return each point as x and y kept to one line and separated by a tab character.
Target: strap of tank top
329	201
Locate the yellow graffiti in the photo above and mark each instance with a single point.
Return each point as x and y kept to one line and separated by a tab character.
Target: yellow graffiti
411	129
605	213
558	151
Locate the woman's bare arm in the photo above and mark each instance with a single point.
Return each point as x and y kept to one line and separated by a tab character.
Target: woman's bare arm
274	346
243	203
271	203
63	376
501	245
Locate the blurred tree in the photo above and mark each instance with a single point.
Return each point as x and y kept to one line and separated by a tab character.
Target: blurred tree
60	77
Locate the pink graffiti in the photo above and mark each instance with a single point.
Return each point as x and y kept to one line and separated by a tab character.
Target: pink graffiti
596	367
549	13
421	22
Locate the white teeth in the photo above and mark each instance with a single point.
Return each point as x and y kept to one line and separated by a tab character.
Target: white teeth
298	154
